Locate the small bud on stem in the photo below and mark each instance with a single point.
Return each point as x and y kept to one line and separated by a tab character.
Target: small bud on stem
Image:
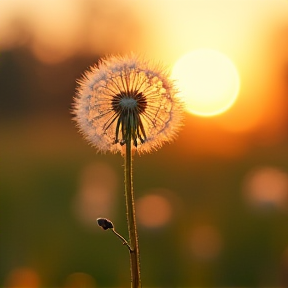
107	224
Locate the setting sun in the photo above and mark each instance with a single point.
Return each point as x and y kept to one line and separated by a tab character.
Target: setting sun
208	81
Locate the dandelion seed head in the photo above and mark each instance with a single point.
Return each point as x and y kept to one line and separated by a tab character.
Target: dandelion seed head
127	98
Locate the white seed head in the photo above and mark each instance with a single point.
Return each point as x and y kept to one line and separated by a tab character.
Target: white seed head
126	98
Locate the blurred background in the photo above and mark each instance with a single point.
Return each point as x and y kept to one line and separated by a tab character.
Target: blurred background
212	207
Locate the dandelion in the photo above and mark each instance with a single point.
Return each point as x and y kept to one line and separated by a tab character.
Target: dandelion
125	104
127	99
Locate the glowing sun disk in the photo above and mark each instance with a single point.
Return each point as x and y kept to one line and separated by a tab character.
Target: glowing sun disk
208	81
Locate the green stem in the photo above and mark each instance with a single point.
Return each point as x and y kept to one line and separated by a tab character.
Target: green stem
131	219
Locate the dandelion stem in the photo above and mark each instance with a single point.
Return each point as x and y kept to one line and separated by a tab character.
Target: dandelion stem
121	238
131	219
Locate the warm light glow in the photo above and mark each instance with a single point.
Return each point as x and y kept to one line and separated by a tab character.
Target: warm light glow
267	187
96	194
153	211
208	81
23	277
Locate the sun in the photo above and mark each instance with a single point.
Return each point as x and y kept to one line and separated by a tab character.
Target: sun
208	81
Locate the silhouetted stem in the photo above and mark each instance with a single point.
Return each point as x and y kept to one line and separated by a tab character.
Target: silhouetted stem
131	219
124	241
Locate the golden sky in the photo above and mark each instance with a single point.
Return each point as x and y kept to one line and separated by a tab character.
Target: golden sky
253	34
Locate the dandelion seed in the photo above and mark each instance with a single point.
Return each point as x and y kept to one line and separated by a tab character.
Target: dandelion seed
125	98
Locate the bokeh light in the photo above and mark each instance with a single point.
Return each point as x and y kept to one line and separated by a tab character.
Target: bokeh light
154	210
23	277
266	187
96	196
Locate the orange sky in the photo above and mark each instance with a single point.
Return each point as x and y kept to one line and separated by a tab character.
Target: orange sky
252	33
